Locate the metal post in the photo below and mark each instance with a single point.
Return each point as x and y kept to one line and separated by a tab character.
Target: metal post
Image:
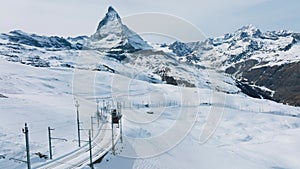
98	113
50	145
120	120
25	131
103	106
91	154
112	136
92	126
78	123
121	130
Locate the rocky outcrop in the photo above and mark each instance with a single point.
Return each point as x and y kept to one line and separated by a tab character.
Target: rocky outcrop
2	96
282	79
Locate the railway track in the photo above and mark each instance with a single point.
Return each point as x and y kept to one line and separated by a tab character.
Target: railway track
101	144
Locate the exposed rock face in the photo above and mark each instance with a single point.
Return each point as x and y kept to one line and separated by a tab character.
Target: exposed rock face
2	96
284	80
180	49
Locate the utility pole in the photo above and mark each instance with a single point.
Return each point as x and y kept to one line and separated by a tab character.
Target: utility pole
92	124
78	123
50	145
121	138
91	154
25	131
112	136
98	113
119	114
50	141
103	107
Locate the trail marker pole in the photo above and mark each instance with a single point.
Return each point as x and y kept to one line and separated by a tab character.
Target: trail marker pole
112	136
91	154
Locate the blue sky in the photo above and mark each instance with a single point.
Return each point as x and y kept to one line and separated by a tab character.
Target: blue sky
213	17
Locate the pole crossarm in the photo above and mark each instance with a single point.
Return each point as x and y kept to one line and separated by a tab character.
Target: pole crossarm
56	138
18	160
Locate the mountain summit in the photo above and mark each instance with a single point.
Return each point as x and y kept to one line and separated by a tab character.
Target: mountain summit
113	34
248	31
111	15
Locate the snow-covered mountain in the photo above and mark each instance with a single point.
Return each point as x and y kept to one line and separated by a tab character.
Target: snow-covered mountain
38	51
248	42
266	64
117	49
53	42
113	34
248	54
180	48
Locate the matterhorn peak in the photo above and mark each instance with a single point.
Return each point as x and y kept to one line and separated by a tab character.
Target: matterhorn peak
112	33
112	11
110	16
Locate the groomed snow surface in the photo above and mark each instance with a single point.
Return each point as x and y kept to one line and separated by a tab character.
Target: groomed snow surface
251	133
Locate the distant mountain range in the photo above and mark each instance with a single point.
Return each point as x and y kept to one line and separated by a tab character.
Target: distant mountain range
248	42
263	64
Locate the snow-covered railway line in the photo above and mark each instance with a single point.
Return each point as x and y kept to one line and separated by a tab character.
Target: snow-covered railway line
81	157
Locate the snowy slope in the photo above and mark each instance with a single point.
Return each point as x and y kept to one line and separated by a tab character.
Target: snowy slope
248	134
41	97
